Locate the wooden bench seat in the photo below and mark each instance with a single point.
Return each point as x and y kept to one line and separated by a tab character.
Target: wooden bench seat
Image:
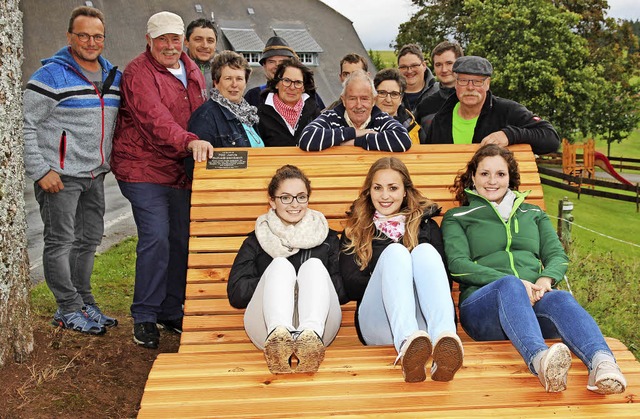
219	373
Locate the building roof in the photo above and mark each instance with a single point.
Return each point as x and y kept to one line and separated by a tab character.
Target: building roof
310	27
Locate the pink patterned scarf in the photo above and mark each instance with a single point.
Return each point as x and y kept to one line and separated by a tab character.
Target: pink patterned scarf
392	227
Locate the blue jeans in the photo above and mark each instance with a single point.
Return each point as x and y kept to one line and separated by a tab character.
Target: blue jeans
407	291
501	310
73	226
161	214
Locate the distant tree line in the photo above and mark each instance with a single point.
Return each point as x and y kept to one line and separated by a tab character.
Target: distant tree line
563	59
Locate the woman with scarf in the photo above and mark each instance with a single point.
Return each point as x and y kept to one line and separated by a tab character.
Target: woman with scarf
392	265
507	258
286	275
289	106
226	119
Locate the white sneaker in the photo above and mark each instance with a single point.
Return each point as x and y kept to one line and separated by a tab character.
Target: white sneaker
554	368
606	378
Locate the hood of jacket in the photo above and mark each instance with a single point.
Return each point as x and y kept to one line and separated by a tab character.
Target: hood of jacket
64	57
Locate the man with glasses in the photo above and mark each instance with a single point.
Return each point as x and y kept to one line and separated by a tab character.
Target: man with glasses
357	122
161	87
474	115
275	51
70	109
420	81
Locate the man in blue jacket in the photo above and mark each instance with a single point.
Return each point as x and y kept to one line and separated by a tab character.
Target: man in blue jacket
70	109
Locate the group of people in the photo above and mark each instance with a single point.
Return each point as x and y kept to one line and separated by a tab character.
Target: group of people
150	123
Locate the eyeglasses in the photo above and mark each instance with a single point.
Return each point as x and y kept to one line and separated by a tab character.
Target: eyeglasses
296	83
288	199
394	95
476	83
411	67
84	37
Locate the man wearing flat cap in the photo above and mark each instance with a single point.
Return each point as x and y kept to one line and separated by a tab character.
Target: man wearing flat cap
275	51
160	89
474	115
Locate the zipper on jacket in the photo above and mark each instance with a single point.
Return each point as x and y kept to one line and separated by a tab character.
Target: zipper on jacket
101	98
62	148
507	226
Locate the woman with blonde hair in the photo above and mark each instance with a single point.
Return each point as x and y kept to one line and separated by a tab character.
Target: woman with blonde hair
392	265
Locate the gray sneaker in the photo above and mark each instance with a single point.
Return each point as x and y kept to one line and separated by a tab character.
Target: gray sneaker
606	378
95	314
79	321
554	368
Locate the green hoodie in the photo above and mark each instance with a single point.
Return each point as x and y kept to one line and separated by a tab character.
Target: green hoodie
481	247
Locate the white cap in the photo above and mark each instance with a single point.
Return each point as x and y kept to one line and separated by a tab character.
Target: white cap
164	22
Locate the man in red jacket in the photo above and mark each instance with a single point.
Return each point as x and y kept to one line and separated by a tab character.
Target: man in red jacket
160	89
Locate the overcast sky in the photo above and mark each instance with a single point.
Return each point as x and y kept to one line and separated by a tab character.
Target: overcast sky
377	21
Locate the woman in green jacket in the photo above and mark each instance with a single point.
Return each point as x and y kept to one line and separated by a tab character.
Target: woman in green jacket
507	257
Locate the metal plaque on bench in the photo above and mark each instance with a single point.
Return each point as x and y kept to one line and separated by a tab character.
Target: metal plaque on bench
228	160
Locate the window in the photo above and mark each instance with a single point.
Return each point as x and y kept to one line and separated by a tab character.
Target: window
252	57
308	58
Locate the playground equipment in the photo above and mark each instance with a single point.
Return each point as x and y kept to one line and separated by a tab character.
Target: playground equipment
585	166
573	166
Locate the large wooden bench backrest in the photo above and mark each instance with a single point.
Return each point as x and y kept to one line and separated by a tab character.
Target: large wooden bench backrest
226	203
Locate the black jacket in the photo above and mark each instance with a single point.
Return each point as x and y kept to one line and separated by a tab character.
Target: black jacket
519	124
273	129
431	104
430	87
356	281
251	262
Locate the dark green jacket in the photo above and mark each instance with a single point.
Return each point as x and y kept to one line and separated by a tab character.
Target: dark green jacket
482	248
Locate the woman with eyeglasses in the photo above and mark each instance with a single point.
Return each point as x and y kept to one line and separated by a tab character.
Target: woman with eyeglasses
391	85
289	105
226	119
287	277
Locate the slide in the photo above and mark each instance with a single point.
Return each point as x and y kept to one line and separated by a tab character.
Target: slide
603	162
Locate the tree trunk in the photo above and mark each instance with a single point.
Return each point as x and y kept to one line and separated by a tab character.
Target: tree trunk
16	332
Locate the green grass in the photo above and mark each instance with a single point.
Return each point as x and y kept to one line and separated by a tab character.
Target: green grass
388	58
112	282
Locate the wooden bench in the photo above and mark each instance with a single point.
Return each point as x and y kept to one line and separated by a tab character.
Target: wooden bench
218	372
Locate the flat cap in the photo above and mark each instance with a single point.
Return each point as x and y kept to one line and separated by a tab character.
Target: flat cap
165	22
277	46
472	64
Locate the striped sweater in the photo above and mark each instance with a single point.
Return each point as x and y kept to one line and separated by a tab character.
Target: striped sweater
331	129
68	121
